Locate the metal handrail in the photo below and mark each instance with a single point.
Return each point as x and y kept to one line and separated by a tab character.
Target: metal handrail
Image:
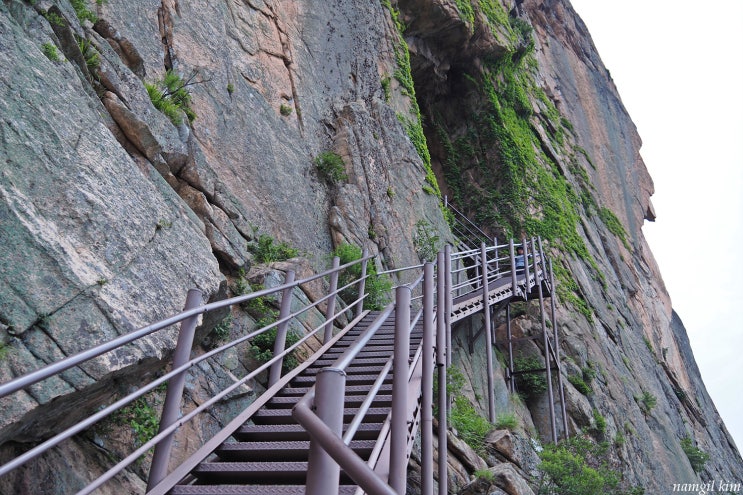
166	430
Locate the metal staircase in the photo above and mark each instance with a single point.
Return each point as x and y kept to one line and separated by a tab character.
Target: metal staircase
269	452
345	419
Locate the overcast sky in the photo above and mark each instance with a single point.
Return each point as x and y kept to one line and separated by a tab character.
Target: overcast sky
678	66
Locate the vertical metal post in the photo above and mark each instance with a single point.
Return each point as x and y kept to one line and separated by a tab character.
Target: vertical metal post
511	379
497	262
557	352
362	283
514	279
448	293
547	365
541	257
427	383
174	394
441	352
488	334
323	473
331	301
280	343
527	286
400	368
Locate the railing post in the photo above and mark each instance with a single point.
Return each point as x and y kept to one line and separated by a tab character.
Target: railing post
488	334
527	275
323	473
400	368
448	294
427	383
511	378
172	406
514	278
280	343
497	262
362	283
331	301
441	352
557	351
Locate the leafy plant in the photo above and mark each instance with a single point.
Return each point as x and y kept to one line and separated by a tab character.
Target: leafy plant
530	382
143	417
171	97
91	56
579	384
600	422
577	466
377	287
83	12
230	88
472	427
506	421
266	250
647	401
54	18
425	241
331	166
285	109
262	345
51	52
222	329
484	474
697	457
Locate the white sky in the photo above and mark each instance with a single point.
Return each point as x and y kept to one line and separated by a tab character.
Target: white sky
678	65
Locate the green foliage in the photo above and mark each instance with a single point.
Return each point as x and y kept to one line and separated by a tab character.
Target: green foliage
578	466
4	350
531	384
266	250
466	12
647	401
54	18
614	225
171	97
506	421
92	58
387	88
471	427
230	88
426	241
82	11
51	52
331	167
377	287
580	385
222	329
697	457
262	345
285	110
414	127
143	417
484	474
600	421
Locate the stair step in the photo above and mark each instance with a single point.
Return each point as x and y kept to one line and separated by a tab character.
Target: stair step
280	451
254	472
351	401
350	371
309	380
295	432
249	490
350	390
284	416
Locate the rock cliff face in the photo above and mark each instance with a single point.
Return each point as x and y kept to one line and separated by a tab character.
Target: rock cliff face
111	210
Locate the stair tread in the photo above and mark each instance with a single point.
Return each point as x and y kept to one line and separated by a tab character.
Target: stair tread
249	490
